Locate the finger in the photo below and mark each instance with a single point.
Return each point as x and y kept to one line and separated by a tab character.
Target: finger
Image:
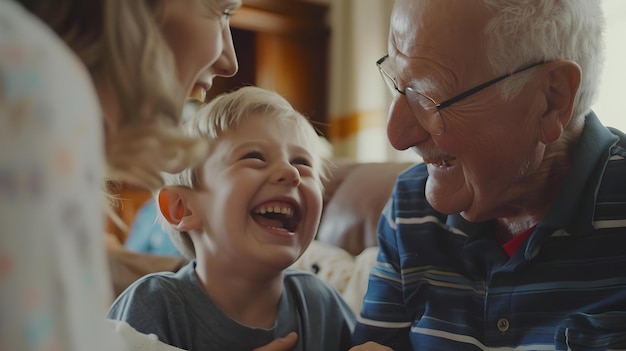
371	346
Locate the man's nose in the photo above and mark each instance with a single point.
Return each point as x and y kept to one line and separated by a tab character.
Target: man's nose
403	129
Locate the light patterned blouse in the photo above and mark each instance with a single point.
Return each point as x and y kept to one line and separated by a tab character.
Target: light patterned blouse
54	286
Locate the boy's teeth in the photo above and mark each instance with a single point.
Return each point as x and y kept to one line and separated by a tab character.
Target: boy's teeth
274	209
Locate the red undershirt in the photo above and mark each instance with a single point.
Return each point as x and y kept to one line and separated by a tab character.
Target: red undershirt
512	245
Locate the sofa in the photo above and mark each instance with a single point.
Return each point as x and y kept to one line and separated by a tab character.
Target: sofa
354	197
345	246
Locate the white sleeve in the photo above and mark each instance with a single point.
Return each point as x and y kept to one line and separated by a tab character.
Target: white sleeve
54	282
137	341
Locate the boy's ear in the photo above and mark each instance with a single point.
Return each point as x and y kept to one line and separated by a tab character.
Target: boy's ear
563	82
174	206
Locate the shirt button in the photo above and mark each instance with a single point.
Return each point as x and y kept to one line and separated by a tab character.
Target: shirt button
503	324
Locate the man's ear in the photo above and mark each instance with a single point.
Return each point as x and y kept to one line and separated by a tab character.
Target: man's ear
174	206
563	80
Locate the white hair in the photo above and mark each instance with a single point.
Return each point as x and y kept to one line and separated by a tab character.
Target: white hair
527	31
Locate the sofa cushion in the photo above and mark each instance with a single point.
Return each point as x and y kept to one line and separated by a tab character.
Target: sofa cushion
354	198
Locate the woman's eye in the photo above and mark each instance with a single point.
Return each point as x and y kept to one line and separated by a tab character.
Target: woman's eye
254	154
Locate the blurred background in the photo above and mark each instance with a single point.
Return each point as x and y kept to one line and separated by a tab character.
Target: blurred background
608	107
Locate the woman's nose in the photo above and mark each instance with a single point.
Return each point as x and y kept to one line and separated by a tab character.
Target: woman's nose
403	128
227	65
286	174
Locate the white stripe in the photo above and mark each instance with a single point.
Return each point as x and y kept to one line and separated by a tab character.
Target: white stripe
418	220
429	269
383	264
616	157
420	272
391	223
381	324
456	231
385	276
617	223
472	341
429	219
452	286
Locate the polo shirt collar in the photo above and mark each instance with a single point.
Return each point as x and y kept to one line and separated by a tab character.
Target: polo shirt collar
573	210
574	206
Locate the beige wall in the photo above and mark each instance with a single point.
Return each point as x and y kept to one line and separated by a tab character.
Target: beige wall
359	91
610	105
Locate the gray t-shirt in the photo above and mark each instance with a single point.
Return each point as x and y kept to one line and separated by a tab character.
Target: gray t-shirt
176	308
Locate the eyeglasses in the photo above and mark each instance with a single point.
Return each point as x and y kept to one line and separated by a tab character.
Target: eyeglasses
425	109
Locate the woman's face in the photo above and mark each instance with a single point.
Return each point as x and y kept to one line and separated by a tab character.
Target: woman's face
198	33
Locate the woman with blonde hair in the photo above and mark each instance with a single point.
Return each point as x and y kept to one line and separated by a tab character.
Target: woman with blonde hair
89	90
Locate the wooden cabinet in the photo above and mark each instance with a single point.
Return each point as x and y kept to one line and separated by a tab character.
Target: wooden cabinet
127	201
281	45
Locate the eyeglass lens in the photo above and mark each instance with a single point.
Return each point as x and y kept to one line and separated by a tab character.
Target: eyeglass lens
424	109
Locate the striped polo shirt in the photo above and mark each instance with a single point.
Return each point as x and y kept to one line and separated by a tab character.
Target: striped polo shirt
443	283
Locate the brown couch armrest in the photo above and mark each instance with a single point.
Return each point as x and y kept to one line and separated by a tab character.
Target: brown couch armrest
355	197
127	266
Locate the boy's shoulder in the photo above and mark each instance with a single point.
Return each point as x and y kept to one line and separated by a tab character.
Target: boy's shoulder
320	299
306	283
155	281
292	274
151	299
158	286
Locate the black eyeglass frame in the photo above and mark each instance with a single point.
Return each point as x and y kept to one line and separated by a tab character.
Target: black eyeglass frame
440	106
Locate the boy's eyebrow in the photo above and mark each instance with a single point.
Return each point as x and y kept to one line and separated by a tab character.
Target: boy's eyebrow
303	150
262	143
250	143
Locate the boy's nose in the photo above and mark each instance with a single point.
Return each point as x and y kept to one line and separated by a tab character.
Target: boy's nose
287	174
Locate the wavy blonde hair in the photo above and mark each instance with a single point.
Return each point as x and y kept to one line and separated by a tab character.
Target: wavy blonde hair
120	43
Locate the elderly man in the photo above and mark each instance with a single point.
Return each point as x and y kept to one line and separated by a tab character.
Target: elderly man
512	233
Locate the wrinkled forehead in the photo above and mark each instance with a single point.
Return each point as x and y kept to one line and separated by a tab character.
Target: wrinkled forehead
445	31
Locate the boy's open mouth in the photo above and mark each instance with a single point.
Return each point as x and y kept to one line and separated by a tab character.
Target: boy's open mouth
277	215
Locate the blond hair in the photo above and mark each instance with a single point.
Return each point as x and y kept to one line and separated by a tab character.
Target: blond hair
120	43
225	113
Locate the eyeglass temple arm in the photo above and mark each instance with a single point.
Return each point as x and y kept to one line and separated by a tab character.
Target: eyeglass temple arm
486	84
